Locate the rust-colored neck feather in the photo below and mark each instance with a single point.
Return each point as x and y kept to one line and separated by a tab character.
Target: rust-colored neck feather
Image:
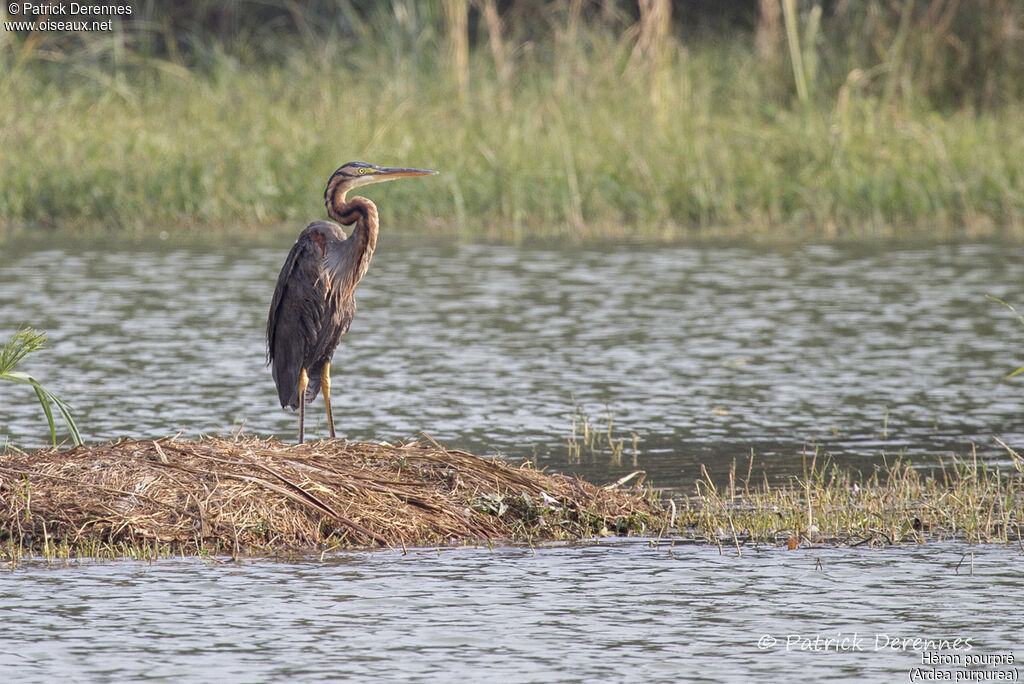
361	212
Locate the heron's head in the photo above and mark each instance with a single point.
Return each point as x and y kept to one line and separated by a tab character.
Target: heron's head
354	174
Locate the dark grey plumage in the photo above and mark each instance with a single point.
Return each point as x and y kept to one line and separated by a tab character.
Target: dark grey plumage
314	300
310	302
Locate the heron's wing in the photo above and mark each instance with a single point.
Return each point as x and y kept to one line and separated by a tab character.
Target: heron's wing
339	281
297	312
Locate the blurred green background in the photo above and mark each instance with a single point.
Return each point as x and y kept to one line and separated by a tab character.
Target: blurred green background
579	119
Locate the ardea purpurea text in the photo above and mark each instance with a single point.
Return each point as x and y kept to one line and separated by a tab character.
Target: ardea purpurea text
314	301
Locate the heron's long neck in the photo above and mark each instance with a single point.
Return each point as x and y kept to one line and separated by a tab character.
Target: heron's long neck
363	213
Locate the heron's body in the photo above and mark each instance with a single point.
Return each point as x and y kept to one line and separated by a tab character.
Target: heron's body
314	302
311	298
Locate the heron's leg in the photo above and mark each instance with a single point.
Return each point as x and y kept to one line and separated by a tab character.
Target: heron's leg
325	383
303	381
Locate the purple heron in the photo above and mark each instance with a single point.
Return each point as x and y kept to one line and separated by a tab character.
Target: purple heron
314	301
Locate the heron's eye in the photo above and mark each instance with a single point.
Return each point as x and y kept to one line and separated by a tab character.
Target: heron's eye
362	171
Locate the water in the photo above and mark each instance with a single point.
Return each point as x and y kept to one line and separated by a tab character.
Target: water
703	354
618	612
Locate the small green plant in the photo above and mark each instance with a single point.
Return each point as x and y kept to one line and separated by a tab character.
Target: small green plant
23	343
1021	318
588	438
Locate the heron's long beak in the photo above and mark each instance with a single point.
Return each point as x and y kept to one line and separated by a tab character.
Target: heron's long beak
389	172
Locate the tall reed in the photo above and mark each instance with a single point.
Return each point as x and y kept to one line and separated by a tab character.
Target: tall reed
559	128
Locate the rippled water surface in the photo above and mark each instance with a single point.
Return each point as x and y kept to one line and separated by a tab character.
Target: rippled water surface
620	612
703	353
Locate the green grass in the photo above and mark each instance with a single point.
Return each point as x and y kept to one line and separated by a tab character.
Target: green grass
571	149
964	500
1021	319
13	352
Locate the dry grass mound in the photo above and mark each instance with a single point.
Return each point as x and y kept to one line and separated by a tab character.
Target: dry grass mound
252	496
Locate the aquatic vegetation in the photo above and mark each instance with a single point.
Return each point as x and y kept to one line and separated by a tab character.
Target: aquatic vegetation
1019	317
961	499
150	499
590	441
20	345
